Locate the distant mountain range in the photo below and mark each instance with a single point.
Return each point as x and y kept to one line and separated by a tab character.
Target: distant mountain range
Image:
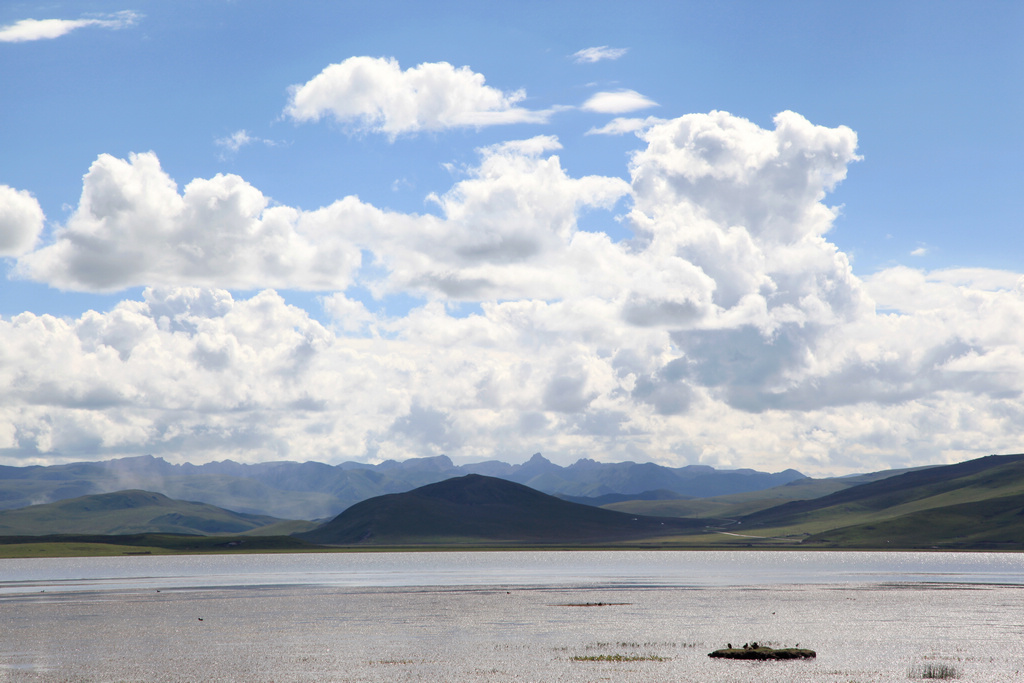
311	490
978	504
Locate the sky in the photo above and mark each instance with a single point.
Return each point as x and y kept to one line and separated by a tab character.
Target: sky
741	234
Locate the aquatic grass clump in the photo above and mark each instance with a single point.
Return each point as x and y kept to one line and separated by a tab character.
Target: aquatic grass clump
632	644
939	671
593	604
618	658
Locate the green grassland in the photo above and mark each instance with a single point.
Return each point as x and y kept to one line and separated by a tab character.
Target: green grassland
129	512
68	545
993	524
732	505
966	493
971	505
284	527
740	504
75	549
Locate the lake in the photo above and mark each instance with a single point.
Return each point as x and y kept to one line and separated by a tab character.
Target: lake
512	616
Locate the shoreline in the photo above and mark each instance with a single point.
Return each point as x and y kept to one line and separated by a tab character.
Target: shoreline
51	550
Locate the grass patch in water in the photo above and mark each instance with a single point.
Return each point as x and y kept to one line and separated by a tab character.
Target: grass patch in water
624	643
593	604
618	658
935	671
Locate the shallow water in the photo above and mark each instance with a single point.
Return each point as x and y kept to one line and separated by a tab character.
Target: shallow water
540	568
665	612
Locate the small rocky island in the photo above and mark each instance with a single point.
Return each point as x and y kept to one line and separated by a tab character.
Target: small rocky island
762	652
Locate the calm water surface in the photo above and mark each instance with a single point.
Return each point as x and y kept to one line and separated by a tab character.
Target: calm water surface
524	616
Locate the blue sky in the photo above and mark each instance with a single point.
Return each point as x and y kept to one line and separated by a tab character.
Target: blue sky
834	289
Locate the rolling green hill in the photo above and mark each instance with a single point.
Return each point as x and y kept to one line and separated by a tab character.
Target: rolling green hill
969	498
740	504
975	480
992	524
127	512
480	509
732	505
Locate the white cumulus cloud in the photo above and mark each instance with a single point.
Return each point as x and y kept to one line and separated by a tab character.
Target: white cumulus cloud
376	95
503	228
509	229
133	227
21	221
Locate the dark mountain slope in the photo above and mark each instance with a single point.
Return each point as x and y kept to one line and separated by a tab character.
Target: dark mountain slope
475	508
126	512
976	480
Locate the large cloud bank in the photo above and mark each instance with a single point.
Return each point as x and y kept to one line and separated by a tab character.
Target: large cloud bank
728	330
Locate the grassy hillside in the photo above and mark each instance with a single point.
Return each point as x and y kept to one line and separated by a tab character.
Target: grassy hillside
479	509
972	481
993	524
284	527
732	505
127	512
741	504
970	505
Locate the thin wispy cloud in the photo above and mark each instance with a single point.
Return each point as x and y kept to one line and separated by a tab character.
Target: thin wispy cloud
241	138
618	102
624	125
45	29
589	55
